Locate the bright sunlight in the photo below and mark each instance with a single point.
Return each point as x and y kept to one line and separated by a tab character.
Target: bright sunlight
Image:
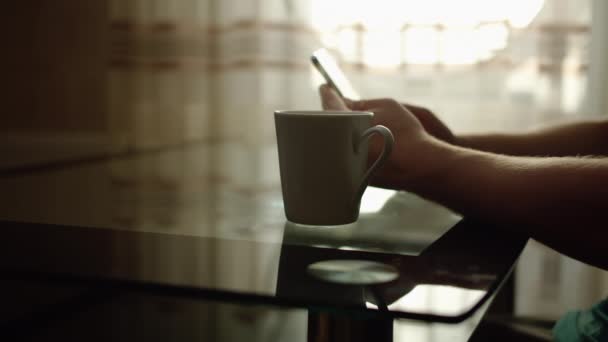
387	33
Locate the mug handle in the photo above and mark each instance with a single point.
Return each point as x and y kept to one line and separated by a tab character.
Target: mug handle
389	141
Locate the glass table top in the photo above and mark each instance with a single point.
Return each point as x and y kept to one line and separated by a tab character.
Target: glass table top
207	220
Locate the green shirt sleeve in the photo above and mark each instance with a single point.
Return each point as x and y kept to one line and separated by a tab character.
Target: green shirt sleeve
586	325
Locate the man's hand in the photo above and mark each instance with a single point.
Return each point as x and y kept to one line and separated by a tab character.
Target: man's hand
427	118
330	100
410	157
559	201
431	123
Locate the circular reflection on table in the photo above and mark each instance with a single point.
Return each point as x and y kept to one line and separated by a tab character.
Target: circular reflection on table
353	272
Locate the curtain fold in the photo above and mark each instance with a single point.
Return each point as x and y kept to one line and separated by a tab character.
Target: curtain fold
191	70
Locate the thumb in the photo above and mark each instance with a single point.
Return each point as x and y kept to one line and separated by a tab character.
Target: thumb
330	99
348	102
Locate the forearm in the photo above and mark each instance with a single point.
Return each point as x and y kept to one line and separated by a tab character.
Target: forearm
585	138
559	201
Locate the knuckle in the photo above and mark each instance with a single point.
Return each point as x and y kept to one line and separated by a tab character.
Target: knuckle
388	100
392	103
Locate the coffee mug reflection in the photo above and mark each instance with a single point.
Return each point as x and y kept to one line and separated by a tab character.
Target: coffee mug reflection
433	281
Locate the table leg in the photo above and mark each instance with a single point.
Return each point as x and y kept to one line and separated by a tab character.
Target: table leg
324	327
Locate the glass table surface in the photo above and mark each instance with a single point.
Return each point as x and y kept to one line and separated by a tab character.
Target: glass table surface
207	220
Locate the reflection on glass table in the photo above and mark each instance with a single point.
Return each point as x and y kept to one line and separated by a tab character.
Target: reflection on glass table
207	221
447	281
211	190
93	314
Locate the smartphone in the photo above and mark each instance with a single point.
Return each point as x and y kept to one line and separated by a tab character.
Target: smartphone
325	63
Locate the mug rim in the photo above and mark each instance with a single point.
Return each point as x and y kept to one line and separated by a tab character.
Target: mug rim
322	113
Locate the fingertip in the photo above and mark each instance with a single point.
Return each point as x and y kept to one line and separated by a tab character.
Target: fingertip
330	100
322	87
327	91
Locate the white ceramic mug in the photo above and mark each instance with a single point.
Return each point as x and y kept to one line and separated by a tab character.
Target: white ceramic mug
322	160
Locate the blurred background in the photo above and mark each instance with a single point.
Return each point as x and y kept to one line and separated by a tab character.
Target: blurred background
87	79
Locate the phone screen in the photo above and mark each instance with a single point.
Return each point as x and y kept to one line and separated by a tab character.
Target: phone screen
333	75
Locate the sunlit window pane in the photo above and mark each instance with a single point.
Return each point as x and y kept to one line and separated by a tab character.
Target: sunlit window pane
439	31
458	46
347	44
381	48
420	46
492	36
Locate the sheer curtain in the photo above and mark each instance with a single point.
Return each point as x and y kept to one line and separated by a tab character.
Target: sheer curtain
203	69
102	77
211	71
182	71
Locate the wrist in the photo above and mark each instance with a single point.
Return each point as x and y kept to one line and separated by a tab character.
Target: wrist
434	165
425	159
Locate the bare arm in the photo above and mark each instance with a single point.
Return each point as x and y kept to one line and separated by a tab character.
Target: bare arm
562	201
584	138
572	139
